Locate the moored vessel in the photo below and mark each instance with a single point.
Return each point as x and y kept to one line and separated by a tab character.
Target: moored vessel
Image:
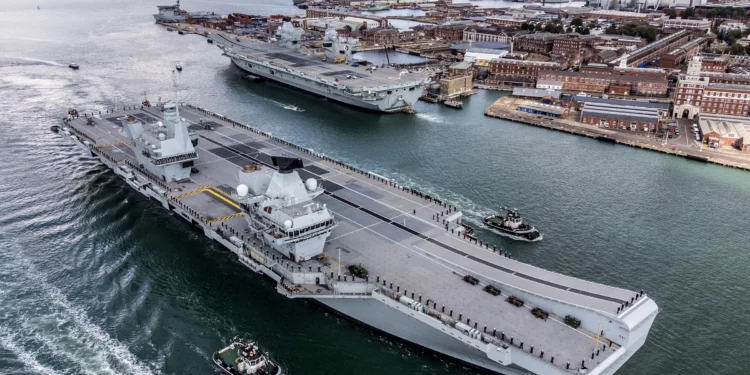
245	358
336	75
509	223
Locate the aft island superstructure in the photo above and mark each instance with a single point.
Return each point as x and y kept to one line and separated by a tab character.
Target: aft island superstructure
335	75
304	219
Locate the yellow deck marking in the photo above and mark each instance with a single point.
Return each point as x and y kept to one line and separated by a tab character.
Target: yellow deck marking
222	197
189	193
332	269
120	142
227	217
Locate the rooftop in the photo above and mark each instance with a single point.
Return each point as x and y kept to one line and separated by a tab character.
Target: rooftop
620	112
725	126
536	93
618	102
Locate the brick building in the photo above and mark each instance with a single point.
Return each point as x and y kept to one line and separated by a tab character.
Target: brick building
509	82
623	71
714	64
380	36
572	44
520	68
606	84
621	115
696	95
652	51
681	54
538	43
450	32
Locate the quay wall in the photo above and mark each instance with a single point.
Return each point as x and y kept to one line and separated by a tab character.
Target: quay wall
549	123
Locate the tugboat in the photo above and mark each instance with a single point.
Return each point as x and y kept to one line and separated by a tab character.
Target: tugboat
73	66
511	224
244	358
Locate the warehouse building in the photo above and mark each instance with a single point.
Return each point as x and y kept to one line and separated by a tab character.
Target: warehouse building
630	116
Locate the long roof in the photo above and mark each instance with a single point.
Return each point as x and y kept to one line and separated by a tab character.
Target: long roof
621	102
620	112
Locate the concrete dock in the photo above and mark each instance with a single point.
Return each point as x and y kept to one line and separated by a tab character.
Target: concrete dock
504	108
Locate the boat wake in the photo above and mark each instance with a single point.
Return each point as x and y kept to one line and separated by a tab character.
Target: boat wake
35	60
49	328
517	238
431	117
287	106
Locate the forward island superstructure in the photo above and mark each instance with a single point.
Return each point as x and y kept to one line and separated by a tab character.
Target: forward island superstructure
336	75
305	220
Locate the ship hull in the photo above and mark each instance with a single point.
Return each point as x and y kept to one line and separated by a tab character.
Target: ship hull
380	317
391	103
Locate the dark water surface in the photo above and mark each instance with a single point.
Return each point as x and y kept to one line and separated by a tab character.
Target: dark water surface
96	279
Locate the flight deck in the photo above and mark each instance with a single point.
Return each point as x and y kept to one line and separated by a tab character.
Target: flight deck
411	243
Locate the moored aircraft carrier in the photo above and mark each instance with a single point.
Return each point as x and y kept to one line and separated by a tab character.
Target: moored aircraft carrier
385	255
336	75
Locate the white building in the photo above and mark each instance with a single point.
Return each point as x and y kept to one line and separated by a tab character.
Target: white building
725	27
679	23
483	56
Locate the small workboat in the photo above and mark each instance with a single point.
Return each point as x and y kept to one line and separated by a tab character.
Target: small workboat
510	224
178	67
210	41
245	358
73	66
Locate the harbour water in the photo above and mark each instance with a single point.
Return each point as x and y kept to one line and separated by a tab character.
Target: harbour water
95	279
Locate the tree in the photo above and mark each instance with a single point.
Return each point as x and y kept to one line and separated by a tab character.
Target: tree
538	27
671	13
348	28
688	13
736	49
569	30
747	49
585	31
576	22
363	27
525	26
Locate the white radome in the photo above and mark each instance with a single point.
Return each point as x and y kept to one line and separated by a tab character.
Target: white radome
162	136
159	124
242	190
287	224
311	184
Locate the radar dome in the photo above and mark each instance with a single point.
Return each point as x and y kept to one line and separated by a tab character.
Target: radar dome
242	190
162	136
287	224
311	184
159	124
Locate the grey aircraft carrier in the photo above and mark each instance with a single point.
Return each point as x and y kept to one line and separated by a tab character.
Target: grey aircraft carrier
336	75
382	254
